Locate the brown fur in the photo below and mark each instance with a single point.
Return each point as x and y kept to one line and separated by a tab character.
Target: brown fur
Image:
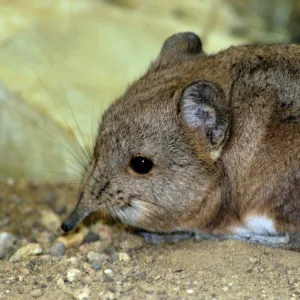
255	169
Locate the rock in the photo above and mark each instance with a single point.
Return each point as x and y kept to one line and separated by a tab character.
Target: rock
26	251
97	258
103	231
24	271
95	247
109	296
109	272
36	293
7	244
88	269
86	279
110	250
253	260
60	282
10	181
132	242
73	274
73	239
149	259
81	294
107	278
4	220
96	266
124	256
46	258
17	200
60	209
58	249
45	237
50	220
91	237
50	199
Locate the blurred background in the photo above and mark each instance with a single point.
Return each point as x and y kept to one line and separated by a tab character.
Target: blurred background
63	61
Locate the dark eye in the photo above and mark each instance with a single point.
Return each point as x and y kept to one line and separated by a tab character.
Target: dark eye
141	165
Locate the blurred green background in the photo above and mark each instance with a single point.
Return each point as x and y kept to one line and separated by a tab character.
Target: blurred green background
63	61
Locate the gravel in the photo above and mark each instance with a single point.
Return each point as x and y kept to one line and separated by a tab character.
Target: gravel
121	266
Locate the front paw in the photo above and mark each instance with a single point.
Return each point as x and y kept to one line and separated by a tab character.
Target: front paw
169	238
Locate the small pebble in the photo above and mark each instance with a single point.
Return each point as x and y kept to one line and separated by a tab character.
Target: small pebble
46	258
110	250
253	260
96	266
107	278
45	237
50	220
86	279
24	271
31	265
36	293
132	242
17	200
10	181
7	244
98	258
98	246
91	237
58	249
124	256
26	251
73	274
109	295
50	199
190	291
109	272
4	220
81	294
149	259
60	209
73	239
103	231
60	282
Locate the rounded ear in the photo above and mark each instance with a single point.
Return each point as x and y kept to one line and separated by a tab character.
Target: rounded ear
182	43
203	107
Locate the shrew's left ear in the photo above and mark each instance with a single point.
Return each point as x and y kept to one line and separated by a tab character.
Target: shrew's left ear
182	43
203	107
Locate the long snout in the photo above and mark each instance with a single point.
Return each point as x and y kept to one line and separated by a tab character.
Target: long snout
76	216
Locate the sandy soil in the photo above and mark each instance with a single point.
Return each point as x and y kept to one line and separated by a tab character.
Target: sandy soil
102	261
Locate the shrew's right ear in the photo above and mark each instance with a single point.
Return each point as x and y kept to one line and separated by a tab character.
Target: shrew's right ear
202	107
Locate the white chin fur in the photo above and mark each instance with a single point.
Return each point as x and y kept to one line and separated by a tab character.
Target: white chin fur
130	215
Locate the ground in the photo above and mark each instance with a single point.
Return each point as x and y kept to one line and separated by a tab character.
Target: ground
106	261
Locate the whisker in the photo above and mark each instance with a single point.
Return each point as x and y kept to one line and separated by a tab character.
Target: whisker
66	123
86	149
53	138
92	128
55	158
34	168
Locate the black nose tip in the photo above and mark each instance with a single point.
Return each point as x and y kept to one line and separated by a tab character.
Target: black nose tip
66	227
75	217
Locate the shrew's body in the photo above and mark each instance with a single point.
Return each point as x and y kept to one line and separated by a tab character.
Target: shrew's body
203	144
